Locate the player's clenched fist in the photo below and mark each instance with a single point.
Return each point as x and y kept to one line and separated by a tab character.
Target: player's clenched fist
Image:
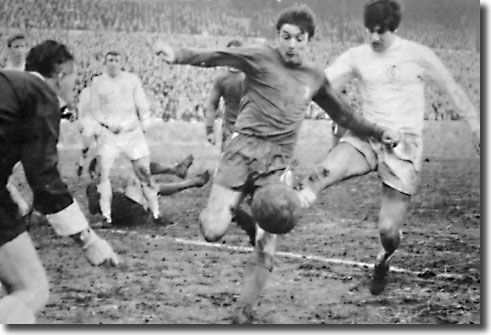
164	51
97	250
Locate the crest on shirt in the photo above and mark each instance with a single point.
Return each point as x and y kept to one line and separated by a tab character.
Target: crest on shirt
394	72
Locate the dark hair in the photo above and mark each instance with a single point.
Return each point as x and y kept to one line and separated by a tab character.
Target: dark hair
234	43
15	38
383	13
112	53
47	57
299	15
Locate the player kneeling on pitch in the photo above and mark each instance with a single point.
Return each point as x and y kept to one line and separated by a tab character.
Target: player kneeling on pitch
30	114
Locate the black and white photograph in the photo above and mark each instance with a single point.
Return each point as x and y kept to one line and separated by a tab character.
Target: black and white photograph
241	162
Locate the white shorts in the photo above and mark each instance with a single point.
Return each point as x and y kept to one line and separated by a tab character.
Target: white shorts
398	167
130	143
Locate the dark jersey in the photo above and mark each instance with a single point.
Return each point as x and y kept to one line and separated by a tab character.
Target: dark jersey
29	129
230	86
276	95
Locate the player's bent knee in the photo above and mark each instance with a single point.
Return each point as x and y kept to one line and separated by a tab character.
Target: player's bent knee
35	294
212	226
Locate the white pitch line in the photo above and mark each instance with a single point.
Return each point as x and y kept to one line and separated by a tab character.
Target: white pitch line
446	275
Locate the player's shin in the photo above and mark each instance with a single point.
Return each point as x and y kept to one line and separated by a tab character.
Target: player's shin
105	191
153	200
390	241
257	274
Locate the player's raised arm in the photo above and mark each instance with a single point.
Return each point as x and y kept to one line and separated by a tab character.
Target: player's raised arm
240	58
438	73
346	117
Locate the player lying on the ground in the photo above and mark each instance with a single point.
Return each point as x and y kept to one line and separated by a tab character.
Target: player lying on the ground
392	73
129	206
30	114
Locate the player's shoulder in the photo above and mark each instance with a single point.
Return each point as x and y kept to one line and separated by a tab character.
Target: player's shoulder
417	50
28	83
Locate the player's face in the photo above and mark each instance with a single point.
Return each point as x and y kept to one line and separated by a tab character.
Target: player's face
66	82
18	50
113	65
380	39
292	43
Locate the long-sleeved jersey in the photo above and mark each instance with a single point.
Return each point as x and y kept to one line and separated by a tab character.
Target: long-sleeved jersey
119	102
29	129
392	83
276	95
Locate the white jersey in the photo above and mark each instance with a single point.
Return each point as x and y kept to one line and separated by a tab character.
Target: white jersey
120	101
12	67
391	82
84	104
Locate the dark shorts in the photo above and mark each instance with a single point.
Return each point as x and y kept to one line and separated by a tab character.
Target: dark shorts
11	222
249	162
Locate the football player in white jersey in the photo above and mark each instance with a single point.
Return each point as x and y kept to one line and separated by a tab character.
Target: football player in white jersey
392	74
119	105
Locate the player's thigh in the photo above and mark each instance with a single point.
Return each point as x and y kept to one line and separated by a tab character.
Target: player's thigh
342	162
394	208
217	215
106	156
22	273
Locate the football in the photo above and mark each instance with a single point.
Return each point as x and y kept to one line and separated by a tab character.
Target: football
276	208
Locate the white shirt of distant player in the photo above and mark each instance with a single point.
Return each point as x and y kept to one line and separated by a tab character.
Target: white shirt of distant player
119	101
10	66
391	82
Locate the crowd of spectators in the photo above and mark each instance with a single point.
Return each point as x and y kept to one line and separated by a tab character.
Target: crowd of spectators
91	28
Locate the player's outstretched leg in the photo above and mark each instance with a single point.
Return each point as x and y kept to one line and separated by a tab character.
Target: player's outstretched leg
257	273
171	188
180	169
392	213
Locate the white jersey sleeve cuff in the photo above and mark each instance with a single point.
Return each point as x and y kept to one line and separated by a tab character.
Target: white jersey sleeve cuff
68	221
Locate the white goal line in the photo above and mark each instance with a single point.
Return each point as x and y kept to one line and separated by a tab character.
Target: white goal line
444	275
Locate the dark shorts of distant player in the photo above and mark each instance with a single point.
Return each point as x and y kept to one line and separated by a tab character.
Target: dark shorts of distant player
249	162
397	167
124	211
11	222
